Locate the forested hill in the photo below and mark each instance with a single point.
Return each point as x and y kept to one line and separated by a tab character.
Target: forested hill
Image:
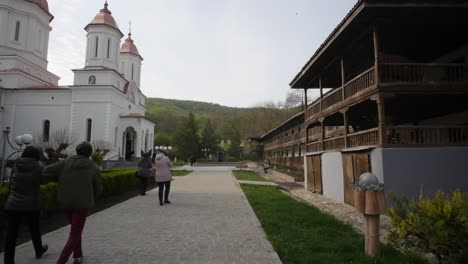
168	114
182	107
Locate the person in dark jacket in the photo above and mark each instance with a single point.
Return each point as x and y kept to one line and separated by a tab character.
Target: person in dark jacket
78	184
23	202
144	171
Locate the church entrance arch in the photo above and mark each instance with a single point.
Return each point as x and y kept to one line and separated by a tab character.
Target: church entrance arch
128	143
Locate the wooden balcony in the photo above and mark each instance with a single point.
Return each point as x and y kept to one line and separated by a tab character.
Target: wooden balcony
286	141
398	136
427	136
334	143
314	146
391	73
423	73
360	83
368	137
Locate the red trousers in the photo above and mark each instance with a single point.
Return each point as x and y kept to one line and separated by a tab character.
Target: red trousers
77	220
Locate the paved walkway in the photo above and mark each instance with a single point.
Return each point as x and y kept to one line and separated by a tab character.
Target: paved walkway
209	221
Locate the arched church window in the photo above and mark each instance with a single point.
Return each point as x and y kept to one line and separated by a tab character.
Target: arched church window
92	80
46	131
89	127
17	30
108	47
133	70
96	47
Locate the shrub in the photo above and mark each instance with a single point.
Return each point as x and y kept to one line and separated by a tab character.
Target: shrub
97	157
3	217
438	225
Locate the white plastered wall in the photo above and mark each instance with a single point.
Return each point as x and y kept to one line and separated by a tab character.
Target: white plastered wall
332	176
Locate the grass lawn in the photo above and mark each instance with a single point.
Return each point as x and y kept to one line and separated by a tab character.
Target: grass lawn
302	234
180	172
247	175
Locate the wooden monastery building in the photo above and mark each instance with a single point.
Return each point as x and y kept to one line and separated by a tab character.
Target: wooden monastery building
393	82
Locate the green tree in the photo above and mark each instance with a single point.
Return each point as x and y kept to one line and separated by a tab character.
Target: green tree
209	138
186	139
235	149
162	139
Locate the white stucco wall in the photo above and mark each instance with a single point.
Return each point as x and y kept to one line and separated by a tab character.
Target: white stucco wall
332	176
406	170
377	164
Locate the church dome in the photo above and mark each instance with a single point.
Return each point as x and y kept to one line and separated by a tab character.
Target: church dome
40	3
129	47
104	17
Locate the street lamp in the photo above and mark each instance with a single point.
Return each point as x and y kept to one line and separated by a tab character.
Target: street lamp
206	151
25	139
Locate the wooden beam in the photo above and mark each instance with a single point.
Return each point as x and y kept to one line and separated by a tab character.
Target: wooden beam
346	128
381	113
305	98
376	54
322	125
342	80
321	92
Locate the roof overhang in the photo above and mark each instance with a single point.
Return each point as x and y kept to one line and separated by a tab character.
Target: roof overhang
367	14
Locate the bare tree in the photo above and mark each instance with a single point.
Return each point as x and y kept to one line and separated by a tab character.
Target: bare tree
293	98
58	143
102	146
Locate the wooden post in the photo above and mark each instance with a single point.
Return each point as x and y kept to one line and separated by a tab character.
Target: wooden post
346	132
376	55
306	139
342	80
381	113
321	93
322	131
305	99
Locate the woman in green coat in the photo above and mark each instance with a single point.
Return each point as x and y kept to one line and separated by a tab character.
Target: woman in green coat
78	184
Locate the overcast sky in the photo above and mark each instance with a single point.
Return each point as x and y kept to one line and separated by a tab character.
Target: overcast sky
231	52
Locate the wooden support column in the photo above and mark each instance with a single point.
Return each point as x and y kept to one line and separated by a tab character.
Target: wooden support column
321	93
381	112
322	131
376	55
306	149
342	80
305	99
346	126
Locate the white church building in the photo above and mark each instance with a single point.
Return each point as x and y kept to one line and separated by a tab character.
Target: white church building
105	103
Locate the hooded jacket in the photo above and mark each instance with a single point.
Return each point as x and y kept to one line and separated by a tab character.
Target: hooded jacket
162	165
25	186
79	182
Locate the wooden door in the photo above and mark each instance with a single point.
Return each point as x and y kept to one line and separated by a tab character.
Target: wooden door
314	174
354	164
317	173
310	174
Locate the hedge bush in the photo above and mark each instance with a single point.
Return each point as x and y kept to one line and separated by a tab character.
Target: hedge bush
438	225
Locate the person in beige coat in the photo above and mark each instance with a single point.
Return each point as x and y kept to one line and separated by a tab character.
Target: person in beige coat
163	176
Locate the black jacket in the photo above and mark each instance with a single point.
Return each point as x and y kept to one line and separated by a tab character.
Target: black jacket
25	186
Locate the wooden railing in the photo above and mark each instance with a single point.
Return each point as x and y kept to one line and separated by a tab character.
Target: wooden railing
334	143
427	135
332	98
312	110
368	137
423	73
360	83
314	146
284	141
